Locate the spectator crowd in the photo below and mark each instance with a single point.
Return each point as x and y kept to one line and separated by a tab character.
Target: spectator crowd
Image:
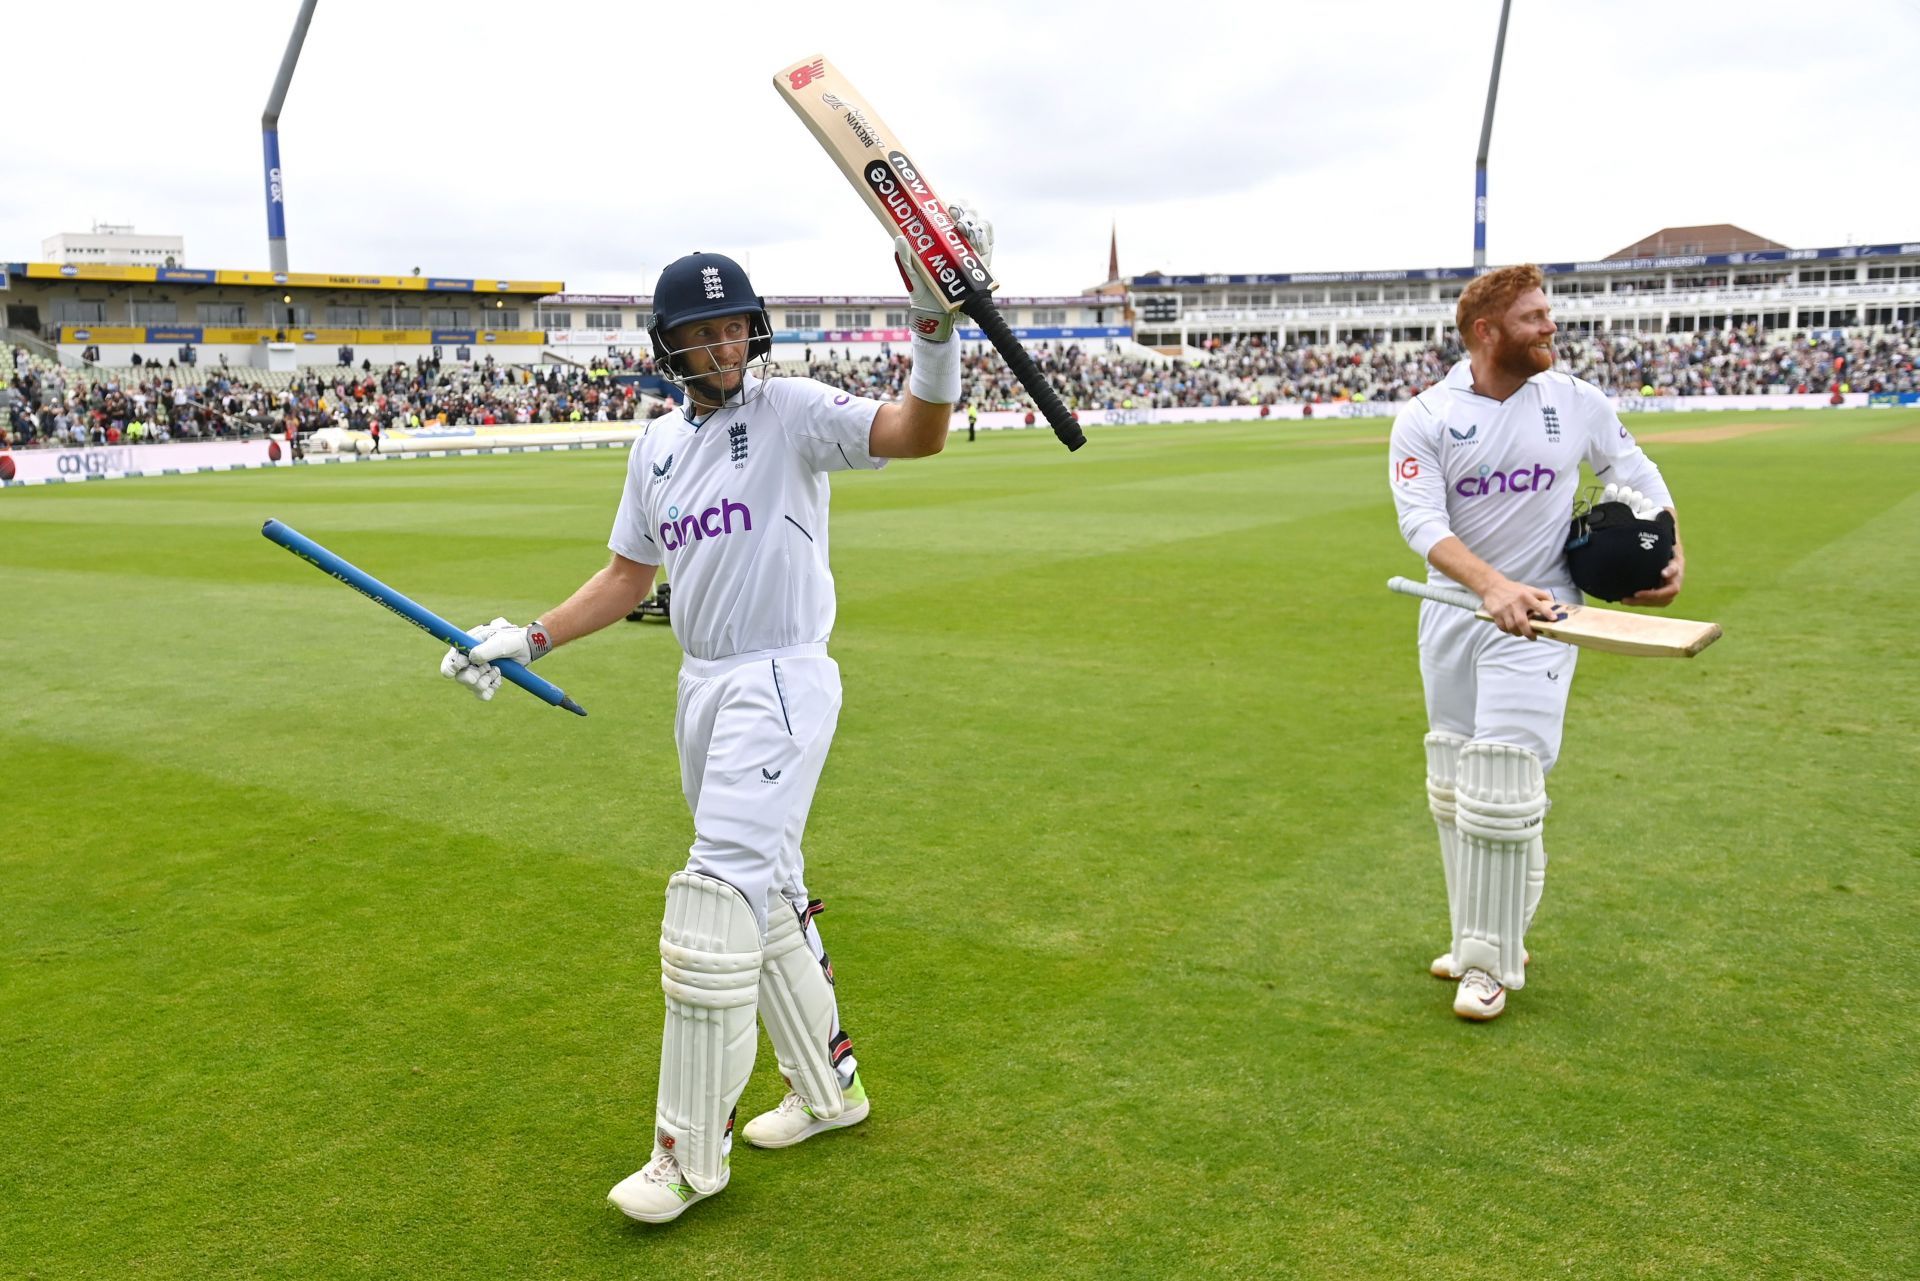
54	405
1726	363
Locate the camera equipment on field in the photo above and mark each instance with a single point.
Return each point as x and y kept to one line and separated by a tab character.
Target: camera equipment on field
653	608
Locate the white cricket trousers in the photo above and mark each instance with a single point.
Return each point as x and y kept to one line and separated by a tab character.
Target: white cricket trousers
753	732
1485	685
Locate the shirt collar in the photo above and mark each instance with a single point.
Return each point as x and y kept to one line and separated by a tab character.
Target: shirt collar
747	383
1460	377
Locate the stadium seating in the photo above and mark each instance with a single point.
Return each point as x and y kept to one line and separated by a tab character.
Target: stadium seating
198	401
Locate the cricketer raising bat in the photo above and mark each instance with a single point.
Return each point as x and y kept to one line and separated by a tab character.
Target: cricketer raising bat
1590	626
897	191
425	619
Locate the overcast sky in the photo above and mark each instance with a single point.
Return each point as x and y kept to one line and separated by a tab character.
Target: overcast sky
593	142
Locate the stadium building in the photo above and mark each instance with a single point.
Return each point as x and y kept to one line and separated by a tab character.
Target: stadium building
1680	280
108	313
114	243
589	324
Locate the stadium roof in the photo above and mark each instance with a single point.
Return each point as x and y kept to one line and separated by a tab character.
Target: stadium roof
286	279
1716	238
831	300
1652	262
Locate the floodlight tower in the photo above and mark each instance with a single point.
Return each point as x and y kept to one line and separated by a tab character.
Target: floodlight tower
1486	137
270	140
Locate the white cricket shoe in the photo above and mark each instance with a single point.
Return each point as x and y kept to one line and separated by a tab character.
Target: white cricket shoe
793	1121
657	1193
1445	967
1481	997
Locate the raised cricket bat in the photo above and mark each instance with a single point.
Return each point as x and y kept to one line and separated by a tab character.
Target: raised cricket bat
1591	626
897	191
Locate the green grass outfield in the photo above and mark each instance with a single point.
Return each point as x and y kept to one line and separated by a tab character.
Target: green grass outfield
310	966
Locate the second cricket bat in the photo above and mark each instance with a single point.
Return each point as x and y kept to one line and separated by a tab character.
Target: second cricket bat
898	193
1617	631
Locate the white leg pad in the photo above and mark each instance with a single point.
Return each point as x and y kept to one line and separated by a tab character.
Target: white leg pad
1443	761
796	1001
1500	800
710	971
1536	876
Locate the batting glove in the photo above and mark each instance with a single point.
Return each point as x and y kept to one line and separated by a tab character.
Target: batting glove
496	640
928	316
1643	508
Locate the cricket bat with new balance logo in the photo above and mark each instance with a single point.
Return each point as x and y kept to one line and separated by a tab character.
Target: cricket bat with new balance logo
896	190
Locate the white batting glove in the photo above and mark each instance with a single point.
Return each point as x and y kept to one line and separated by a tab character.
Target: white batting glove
496	640
975	226
1643	508
928	316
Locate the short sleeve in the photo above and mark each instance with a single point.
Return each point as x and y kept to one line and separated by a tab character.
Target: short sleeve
630	537
830	428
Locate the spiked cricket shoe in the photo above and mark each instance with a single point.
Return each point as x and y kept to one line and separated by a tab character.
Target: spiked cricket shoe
1481	997
1444	966
657	1192
794	1122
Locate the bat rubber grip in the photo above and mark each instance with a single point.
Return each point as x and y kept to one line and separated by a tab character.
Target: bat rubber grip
984	314
1445	595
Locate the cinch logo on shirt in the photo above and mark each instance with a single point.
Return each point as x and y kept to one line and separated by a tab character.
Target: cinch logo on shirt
1521	480
677	531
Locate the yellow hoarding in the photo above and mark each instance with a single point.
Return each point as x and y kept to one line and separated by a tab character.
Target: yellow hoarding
316	280
85	335
89	271
539	288
93	335
398	284
290	279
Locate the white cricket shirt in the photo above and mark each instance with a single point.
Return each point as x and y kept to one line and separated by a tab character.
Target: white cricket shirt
1502	475
735	507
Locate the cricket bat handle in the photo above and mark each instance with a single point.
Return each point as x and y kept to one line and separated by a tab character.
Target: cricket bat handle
982	312
420	616
1445	595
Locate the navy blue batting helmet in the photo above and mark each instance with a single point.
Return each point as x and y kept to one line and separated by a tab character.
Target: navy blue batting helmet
700	287
1612	553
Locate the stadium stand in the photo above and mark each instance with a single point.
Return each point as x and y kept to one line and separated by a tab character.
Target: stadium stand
58	405
1734	362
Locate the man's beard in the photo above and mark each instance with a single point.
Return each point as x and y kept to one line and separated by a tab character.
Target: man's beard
1520	359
